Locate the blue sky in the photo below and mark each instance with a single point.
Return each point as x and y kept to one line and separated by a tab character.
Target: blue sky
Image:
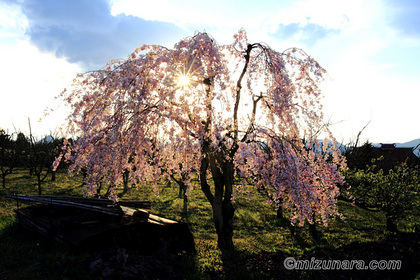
371	50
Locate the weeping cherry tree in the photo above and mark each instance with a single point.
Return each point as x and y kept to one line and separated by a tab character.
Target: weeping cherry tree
225	111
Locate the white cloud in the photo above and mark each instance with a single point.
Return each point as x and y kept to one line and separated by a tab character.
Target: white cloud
370	83
86	32
29	83
12	21
388	103
191	12
219	17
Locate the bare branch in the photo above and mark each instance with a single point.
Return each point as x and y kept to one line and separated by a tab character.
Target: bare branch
358	134
238	91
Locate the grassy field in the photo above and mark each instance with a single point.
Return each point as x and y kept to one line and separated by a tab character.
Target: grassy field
262	243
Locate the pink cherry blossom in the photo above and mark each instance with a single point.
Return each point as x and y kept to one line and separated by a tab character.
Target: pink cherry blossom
243	110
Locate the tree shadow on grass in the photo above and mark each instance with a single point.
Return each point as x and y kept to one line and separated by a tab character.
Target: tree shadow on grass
268	265
26	255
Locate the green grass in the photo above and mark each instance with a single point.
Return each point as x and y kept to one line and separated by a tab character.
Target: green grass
259	238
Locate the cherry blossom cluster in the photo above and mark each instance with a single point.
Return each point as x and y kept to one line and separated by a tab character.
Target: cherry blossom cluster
241	104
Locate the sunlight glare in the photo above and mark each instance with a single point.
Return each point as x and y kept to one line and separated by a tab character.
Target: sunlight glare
184	80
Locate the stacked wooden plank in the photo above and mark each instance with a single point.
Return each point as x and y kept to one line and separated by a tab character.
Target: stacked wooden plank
101	206
85	221
93	204
74	225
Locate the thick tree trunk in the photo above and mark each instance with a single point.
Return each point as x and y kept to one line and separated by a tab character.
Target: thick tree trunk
312	229
225	239
39	184
223	213
126	179
185	207
283	221
280	213
4	182
180	191
223	210
4	173
390	224
183	195
221	201
98	189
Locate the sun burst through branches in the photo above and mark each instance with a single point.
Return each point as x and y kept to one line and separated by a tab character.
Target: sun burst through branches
187	73
184	80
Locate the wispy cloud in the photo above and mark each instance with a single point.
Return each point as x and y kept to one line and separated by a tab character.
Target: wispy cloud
405	17
308	33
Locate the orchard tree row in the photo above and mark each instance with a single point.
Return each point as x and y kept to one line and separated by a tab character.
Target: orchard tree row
18	150
377	184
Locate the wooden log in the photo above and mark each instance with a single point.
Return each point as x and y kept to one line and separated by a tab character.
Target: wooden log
86	200
54	217
101	201
115	211
141	215
159	220
135	204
